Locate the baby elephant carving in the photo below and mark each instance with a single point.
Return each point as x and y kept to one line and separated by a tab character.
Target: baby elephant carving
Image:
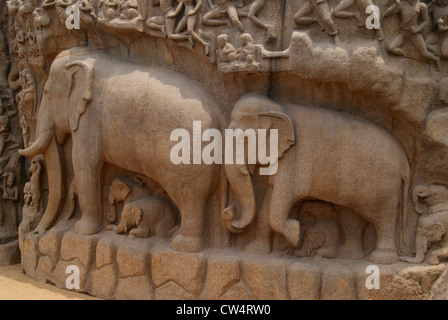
151	216
431	228
322	235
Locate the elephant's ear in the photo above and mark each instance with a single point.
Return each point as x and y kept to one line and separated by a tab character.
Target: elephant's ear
439	231
284	125
81	73
138	214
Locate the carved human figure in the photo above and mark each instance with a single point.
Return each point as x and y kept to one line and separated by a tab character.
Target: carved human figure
189	21
431	228
109	9
248	51
25	130
5	128
322	235
10	196
150	216
130	10
341	11
164	23
413	19
256	7
318	11
89	23
438	42
35	170
226	51
27	97
219	14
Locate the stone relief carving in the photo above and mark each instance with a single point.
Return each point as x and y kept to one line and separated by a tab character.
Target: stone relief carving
431	228
348	170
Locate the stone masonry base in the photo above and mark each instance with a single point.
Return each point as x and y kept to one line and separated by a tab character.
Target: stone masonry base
115	267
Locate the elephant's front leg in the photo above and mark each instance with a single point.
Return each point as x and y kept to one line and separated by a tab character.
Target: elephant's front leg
282	202
262	242
87	165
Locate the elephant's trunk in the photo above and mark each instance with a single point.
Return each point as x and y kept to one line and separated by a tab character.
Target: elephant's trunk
241	182
46	131
112	215
419	192
57	186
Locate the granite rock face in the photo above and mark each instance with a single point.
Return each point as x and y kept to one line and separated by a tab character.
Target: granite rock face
230	150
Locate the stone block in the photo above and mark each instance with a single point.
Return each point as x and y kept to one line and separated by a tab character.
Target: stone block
338	283
9	253
132	258
266	278
134	288
172	291
304	280
76	246
187	270
60	275
30	254
102	282
222	273
49	245
105	252
45	268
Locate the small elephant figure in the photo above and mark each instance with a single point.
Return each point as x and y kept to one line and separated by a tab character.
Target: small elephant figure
151	216
431	229
322	238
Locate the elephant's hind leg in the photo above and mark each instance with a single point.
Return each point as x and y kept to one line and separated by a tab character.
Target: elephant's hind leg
190	235
386	249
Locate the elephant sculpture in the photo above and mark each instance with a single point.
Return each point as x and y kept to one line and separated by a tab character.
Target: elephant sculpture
323	155
322	235
152	216
431	228
123	114
123	190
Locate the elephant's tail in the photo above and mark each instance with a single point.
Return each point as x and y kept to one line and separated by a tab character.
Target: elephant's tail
406	185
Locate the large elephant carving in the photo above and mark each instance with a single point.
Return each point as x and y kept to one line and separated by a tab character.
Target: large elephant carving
323	155
123	113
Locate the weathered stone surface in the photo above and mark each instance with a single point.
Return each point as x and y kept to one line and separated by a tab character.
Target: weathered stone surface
304	281
132	258
134	288
172	291
30	254
338	283
9	253
266	278
78	246
105	252
223	272
60	275
45	268
186	270
49	245
102	282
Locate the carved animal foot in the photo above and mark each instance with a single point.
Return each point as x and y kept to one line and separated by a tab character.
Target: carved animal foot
187	244
382	256
87	227
258	247
111	227
412	259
